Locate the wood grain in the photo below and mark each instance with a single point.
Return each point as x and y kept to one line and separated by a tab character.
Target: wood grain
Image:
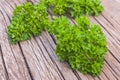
3	73
35	59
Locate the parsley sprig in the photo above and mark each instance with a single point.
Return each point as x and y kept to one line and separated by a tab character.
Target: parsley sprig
75	8
83	45
28	20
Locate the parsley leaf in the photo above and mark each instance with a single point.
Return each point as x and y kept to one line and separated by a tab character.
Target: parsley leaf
28	20
83	45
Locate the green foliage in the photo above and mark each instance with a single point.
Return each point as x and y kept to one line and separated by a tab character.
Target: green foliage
75	7
88	7
83	45
28	20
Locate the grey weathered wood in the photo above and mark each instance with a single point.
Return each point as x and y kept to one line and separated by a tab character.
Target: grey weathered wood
23	68
31	60
36	59
3	73
49	70
12	56
48	59
10	62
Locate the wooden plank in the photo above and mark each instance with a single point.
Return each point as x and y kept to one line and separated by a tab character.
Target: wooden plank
113	63
32	1
6	9
63	67
112	8
3	73
114	49
39	69
112	14
36	1
11	3
48	59
103	76
108	73
31	60
112	71
49	69
14	61
17	2
21	62
111	20
22	1
10	62
7	53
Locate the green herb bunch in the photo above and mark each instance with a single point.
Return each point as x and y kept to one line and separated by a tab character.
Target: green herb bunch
82	45
75	8
28	20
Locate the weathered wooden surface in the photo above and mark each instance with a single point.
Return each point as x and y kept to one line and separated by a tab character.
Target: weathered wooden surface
35	59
